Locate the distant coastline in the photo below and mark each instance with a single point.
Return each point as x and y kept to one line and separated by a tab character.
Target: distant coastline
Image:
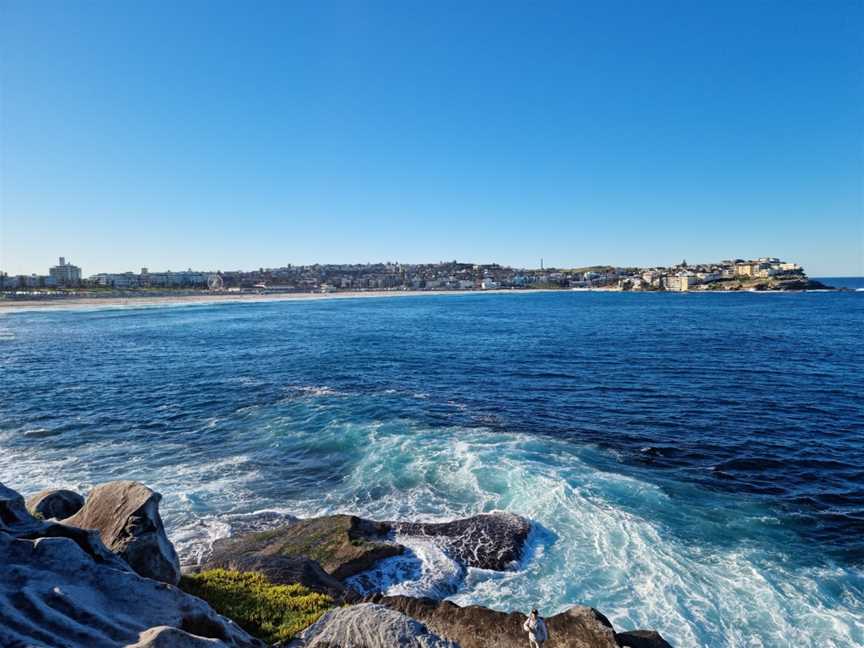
134	299
67	279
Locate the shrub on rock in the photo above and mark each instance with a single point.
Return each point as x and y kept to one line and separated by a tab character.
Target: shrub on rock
270	612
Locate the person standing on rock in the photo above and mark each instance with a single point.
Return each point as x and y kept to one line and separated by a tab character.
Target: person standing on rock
536	629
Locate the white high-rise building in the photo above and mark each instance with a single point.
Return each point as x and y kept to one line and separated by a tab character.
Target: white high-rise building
66	274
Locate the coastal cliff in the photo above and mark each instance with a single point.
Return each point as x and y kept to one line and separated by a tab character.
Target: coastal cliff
107	575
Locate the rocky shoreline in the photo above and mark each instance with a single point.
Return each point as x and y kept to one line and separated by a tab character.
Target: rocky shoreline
100	571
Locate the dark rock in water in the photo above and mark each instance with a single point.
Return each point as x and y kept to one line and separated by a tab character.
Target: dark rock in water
802	283
168	637
343	545
60	586
487	541
368	626
126	514
282	570
57	504
641	639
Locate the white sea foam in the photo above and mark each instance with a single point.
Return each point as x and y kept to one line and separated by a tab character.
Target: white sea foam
316	390
423	570
603	539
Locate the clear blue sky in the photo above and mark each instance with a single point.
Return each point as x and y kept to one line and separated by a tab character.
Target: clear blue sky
225	135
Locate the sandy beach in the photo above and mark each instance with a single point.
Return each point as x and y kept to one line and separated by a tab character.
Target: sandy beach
144	301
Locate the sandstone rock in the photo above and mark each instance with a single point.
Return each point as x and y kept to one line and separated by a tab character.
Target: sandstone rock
343	545
167	637
59	586
17	522
478	627
487	541
56	504
368	626
126	514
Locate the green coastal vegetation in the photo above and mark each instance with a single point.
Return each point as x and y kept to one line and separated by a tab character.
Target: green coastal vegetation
270	612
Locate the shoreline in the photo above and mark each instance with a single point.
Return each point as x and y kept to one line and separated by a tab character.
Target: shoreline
139	301
204	299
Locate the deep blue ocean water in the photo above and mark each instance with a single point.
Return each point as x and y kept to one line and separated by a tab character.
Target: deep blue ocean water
694	463
847	283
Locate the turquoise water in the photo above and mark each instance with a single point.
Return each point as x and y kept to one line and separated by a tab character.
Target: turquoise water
692	463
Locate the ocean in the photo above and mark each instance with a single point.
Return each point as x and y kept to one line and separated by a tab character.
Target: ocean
693	463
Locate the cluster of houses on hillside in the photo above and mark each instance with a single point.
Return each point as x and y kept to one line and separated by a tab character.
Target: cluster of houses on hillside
686	276
450	275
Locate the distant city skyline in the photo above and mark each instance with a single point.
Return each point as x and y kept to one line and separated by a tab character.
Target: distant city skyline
214	135
767	273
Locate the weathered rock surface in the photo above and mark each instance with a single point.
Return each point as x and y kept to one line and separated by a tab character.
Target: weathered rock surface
60	586
346	545
368	626
15	519
56	503
126	514
17	522
486	541
479	627
343	545
167	637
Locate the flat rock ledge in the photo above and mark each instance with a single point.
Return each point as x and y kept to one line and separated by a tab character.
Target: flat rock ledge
322	552
479	627
342	545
